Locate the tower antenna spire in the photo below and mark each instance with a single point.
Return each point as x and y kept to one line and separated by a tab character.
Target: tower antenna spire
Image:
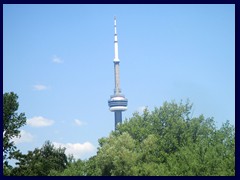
117	102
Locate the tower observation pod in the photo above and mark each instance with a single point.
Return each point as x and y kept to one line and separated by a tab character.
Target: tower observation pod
117	102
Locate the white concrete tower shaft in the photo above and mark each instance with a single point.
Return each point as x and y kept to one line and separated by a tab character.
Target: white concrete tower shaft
116	61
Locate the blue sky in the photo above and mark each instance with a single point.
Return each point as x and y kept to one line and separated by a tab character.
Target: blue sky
59	60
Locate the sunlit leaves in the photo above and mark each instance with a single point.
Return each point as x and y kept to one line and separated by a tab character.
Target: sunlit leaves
167	141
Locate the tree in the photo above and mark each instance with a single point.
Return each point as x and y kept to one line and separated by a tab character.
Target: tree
41	162
12	121
76	168
167	141
117	155
91	167
163	142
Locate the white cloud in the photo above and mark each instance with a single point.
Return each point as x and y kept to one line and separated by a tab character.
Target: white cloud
40	87
39	121
141	109
78	150
78	122
24	137
57	60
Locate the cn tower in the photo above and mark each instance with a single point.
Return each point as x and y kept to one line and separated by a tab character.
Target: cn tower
117	102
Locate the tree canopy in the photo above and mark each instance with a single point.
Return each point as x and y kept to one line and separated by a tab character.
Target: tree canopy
167	141
12	121
40	162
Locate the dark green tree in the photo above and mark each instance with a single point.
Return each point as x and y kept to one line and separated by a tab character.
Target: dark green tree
75	168
41	161
12	121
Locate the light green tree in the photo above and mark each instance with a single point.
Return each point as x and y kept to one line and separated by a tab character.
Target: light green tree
168	141
117	155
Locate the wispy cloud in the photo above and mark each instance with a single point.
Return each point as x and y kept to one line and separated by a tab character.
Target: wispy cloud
40	87
57	59
78	150
39	121
24	137
78	122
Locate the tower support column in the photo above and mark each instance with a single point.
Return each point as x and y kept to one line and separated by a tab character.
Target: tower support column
118	118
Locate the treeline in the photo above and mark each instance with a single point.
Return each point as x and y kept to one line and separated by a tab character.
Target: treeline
164	142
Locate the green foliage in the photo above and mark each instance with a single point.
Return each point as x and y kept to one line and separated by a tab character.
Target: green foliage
167	141
12	121
76	168
92	168
117	155
79	168
41	161
164	142
7	170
